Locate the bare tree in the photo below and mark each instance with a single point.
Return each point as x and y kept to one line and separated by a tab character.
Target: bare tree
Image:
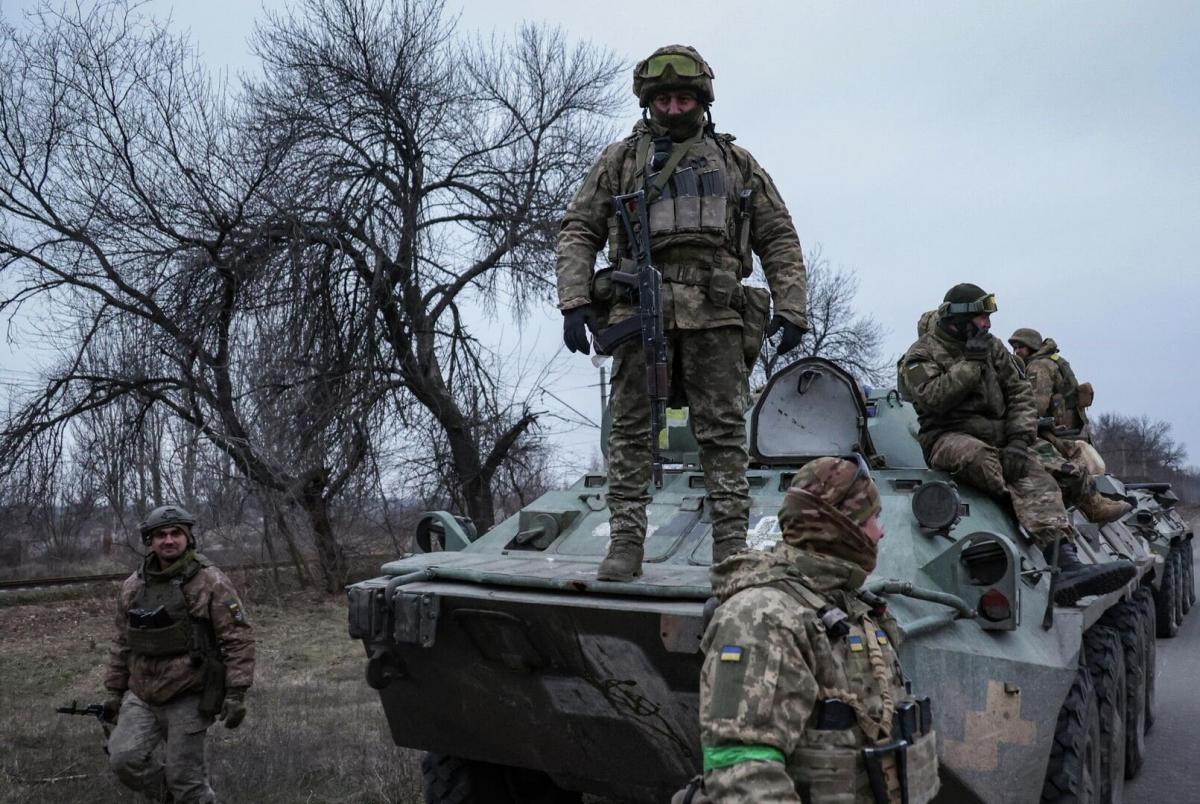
1135	447
837	331
134	216
438	169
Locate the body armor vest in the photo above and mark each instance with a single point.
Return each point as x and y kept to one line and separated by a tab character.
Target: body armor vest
831	765
1065	405
160	622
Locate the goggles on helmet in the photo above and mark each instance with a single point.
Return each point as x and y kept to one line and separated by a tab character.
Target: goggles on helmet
683	65
984	304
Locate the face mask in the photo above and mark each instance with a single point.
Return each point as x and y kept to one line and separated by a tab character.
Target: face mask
680	126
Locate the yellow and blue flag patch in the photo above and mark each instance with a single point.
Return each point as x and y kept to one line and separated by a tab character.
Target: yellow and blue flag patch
731	653
881	636
855	642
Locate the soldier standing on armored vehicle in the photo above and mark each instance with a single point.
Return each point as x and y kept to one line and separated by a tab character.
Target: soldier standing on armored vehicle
801	694
183	654
711	207
977	422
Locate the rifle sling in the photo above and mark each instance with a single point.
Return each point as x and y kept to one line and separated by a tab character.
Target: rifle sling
678	151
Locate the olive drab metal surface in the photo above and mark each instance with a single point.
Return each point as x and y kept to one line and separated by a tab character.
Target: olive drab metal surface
596	684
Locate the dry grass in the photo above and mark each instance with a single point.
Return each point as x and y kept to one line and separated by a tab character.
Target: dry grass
315	732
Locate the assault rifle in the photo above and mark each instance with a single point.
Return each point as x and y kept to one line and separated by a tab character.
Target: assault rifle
89	710
646	280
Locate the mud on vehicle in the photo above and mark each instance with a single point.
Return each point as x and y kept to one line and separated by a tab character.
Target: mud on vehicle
526	680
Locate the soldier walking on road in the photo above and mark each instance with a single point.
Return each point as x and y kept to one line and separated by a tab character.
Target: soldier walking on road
183	654
711	207
802	698
977	422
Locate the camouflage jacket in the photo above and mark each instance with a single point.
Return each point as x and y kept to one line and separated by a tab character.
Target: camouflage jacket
768	663
988	399
688	255
1054	386
157	679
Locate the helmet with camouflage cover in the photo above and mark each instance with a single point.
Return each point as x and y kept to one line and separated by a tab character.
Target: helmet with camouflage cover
827	505
165	515
1027	337
674	67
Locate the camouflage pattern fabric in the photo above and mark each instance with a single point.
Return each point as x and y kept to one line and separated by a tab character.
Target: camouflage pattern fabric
1053	391
768	663
181	770
926	323
689	258
824	510
1036	498
158	679
990	400
708	364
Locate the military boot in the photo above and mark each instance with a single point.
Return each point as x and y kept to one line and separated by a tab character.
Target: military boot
623	562
1076	579
1102	510
724	548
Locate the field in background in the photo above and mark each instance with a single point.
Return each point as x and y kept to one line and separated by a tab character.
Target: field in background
314	733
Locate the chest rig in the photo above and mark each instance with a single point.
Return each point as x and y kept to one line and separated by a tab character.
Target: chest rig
160	622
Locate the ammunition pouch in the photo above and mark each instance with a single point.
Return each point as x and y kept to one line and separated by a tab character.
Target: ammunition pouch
1085	395
154	633
755	314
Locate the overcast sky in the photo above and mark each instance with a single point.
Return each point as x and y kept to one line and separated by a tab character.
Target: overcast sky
1049	152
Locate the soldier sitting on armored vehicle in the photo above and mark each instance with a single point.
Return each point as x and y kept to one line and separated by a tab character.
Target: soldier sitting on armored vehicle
801	694
977	421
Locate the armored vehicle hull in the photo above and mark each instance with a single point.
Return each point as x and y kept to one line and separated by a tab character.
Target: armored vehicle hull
523	676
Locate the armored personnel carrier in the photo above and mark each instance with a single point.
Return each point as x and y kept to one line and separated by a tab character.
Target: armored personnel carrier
526	680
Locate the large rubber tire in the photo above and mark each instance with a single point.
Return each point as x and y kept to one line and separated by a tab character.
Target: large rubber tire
453	780
1106	665
1189	566
1165	603
1126	619
1144	599
1180	585
1075	769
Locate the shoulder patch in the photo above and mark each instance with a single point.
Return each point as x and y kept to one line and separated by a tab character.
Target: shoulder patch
235	610
855	642
731	653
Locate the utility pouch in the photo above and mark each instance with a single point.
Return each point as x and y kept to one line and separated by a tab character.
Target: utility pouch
828	767
687	213
170	640
922	770
721	288
603	291
712	212
755	312
1085	395
212	696
662	216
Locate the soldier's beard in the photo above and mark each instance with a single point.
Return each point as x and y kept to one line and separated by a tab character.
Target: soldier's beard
680	126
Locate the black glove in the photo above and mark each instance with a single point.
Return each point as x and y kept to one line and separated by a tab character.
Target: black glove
978	347
233	711
791	334
1014	461
112	706
577	322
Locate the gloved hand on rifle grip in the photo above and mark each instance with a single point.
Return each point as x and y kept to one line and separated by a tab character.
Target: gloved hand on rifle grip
233	711
978	347
577	323
112	706
791	333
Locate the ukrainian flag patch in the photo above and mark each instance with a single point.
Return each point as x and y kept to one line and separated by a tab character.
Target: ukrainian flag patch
856	643
881	636
731	653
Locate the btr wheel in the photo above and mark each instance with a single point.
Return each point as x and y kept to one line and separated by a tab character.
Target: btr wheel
1165	604
1075	771
1144	600
454	780
1106	665
1180	586
1126	620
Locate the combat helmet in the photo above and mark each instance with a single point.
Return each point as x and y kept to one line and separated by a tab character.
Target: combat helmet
165	515
674	67
966	299
1027	337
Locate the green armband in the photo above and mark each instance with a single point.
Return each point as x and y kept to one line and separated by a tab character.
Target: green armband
727	755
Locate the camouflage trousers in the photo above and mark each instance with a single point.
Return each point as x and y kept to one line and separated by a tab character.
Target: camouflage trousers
711	368
180	769
1036	497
